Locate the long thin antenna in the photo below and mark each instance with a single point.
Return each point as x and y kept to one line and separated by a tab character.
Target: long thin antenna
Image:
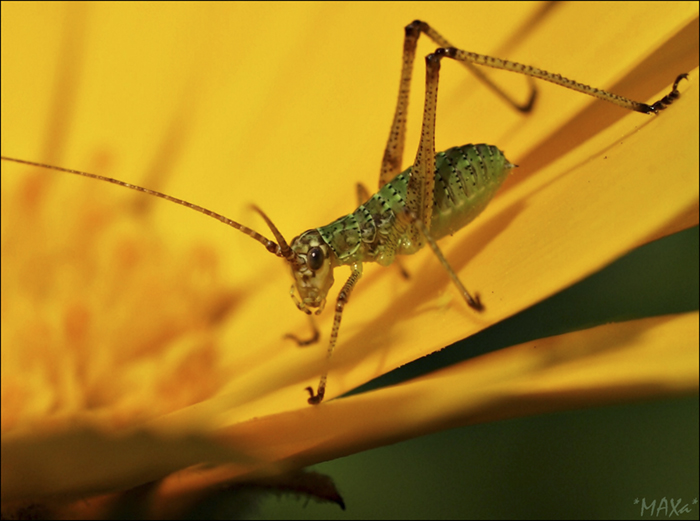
285	250
270	246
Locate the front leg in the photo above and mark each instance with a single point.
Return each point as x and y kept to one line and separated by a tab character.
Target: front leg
343	298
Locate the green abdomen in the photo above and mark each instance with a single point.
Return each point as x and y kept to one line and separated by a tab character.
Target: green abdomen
466	179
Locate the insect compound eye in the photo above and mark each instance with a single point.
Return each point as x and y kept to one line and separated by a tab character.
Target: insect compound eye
314	259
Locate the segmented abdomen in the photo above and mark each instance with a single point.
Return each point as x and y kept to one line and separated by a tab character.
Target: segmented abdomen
466	179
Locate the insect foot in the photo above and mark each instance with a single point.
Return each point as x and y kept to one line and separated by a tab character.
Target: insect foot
315	399
669	98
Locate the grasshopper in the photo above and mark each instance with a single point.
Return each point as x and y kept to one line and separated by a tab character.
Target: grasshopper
438	195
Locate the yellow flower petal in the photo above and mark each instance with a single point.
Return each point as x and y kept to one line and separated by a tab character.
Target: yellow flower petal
558	373
584	201
290	114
